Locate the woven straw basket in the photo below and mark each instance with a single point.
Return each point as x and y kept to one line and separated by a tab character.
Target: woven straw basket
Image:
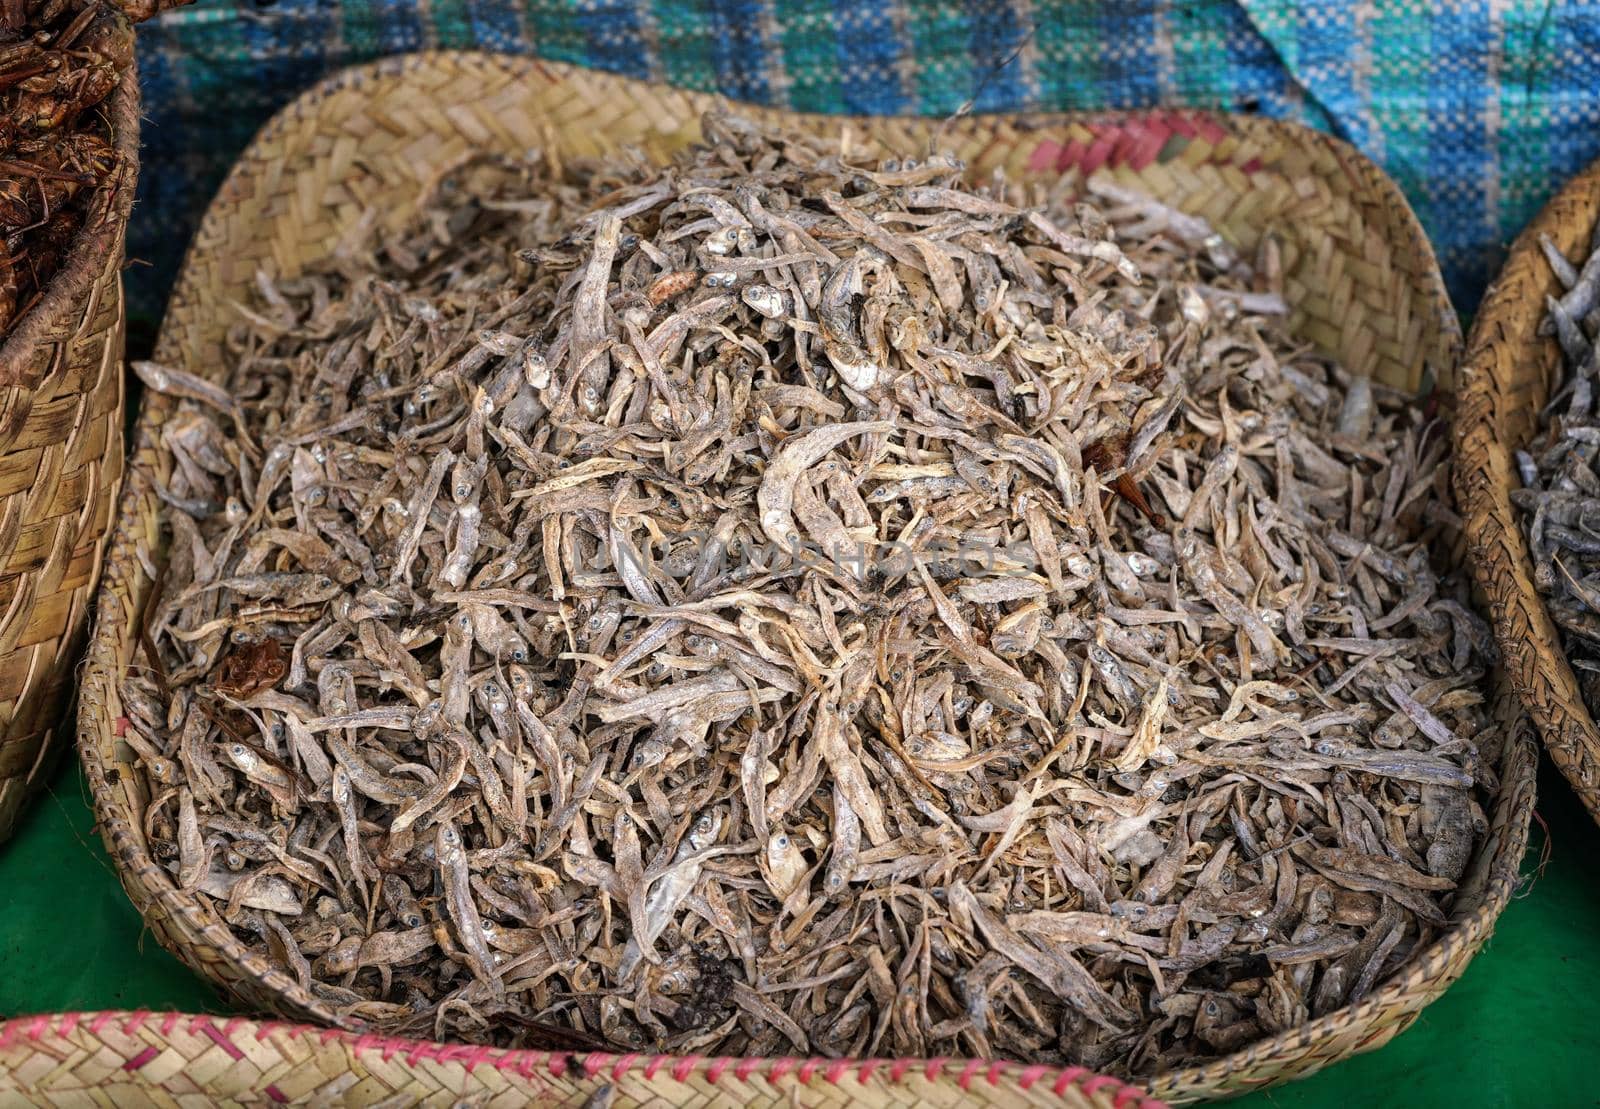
60	467
164	1059
1360	273
1508	375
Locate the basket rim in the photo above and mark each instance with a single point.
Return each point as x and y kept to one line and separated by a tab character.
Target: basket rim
45	1027
1531	645
86	256
1499	854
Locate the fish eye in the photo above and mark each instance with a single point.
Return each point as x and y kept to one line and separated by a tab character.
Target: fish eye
519	655
781	842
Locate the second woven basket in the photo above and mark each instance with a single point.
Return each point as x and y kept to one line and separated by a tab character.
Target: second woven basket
60	465
1508	375
1361	277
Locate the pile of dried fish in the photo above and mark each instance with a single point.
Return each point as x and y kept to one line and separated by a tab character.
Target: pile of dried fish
790	602
1560	470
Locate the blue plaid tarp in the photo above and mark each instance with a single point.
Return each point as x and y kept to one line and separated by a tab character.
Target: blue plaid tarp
1480	110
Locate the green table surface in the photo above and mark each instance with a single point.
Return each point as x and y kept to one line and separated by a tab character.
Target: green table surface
1521	1027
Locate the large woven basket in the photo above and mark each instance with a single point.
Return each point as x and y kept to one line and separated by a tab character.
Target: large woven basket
1362	278
60	466
165	1059
1508	375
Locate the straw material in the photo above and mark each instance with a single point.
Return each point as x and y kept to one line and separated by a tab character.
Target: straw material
158	1059
1360	274
1509	373
60	466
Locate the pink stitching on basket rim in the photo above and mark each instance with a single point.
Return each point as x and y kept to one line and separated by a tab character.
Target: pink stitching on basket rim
1031	1074
1067	1077
1099	1082
139	1060
558	1063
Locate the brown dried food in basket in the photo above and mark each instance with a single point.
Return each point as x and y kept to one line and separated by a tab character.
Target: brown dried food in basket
1560	470
59	59
721	617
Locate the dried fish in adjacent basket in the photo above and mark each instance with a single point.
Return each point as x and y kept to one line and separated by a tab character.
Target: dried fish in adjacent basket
1560	495
785	601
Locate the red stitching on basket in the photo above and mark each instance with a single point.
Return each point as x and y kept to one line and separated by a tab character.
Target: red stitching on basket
781	1067
100	1022
557	1064
656	1063
277	1095
901	1066
1127	1096
69	1021
1031	1075
141	1059
1097	1083
934	1068
169	1022
745	1069
478	1057
329	1034
967	1073
7	1031
136	1021
594	1062
684	1067
868	1067
807	1069
714	1071
623	1065
996	1069
220	1038
1067	1078
836	1071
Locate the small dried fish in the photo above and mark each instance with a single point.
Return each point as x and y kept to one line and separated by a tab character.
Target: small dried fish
1560	470
786	601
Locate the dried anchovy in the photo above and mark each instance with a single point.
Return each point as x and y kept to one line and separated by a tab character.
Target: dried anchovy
1560	494
788	601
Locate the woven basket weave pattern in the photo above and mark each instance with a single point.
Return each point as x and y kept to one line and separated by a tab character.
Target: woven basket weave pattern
60	465
156	1059
1359	272
1508	375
